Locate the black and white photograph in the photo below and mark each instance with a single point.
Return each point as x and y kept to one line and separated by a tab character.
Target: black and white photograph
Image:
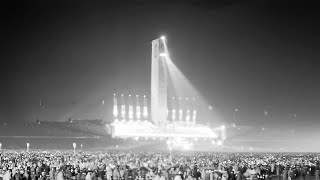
159	90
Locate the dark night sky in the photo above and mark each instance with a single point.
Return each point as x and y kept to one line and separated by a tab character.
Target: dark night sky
251	55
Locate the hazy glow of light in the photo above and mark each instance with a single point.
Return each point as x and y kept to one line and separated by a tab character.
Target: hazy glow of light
163	38
180	114
115	111
183	87
145	112
219	143
188	115
173	114
130	112
163	54
194	116
138	113
123	111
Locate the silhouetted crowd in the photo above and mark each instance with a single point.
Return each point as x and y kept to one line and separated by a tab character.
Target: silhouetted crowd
67	165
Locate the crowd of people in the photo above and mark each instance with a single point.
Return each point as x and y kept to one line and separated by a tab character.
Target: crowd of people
69	165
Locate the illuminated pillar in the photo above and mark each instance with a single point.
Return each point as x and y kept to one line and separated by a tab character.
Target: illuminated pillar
180	114
173	115
123	108
158	83
194	116
130	114
188	115
145	107
115	107
138	110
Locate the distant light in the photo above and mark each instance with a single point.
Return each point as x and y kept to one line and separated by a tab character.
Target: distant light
163	38
114	95
137	95
144	96
187	98
236	110
213	142
168	142
163	55
210	108
122	95
223	127
194	99
129	95
219	143
172	97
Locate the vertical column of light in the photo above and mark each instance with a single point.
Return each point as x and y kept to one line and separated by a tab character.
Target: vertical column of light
173	113
115	107
123	108
138	110
180	109
194	114
130	114
188	110
145	107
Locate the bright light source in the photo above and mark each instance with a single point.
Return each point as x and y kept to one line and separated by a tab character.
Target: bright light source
163	38
219	143
163	54
213	142
223	127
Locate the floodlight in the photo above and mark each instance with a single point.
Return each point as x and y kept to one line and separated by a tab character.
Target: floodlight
163	38
163	54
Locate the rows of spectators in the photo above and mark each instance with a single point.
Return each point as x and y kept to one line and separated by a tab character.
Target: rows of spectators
67	165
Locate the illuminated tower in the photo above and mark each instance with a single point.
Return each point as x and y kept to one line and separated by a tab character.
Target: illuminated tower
158	83
115	107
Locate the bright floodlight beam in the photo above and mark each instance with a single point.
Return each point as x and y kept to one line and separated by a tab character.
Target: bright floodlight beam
163	38
163	54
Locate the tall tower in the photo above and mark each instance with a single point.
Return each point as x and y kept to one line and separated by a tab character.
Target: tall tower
158	83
